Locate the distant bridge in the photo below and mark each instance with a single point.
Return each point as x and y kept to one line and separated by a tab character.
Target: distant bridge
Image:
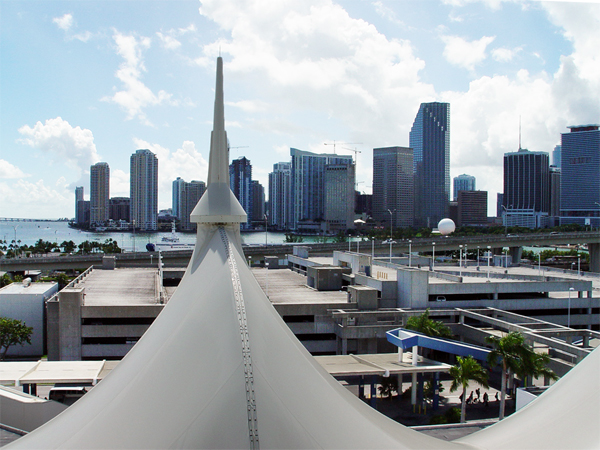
180	258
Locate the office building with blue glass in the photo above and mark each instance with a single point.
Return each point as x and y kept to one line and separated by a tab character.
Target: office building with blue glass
580	176
430	141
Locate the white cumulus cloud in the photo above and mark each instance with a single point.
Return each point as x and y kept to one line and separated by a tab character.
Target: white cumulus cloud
8	170
135	96
64	22
63	142
463	53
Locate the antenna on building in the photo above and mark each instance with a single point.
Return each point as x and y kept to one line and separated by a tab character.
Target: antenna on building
519	132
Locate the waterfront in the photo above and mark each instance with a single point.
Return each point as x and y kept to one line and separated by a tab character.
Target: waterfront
30	232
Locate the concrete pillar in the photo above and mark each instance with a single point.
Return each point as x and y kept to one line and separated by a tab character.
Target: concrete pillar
344	346
413	391
515	254
52	330
586	340
70	301
436	391
374	391
594	250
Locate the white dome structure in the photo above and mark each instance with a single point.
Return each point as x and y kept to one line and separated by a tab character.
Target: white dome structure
219	368
446	227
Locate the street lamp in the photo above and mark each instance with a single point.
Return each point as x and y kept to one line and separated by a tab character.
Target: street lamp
478	257
569	309
506	258
391	225
433	258
266	232
267	266
460	260
391	242
489	254
540	263
409	253
578	263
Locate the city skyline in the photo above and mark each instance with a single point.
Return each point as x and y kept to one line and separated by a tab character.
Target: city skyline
85	82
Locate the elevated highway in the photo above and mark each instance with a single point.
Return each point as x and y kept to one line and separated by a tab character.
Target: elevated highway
180	258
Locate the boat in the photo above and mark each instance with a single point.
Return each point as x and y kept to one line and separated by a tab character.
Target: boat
173	238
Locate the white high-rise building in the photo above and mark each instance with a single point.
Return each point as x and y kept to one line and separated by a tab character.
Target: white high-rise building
178	186
144	190
99	193
280	207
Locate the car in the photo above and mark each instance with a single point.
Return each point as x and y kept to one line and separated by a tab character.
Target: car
512	235
554	233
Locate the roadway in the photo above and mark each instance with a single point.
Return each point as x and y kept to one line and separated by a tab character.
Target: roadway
180	258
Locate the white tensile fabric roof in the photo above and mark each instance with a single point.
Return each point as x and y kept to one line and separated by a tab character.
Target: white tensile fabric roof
219	369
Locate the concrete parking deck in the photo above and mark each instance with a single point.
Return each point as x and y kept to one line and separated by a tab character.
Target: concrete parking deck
131	286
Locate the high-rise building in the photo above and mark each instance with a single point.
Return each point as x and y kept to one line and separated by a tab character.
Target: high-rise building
99	193
526	188
119	208
240	181
463	182
554	212
556	156
472	208
78	198
176	205
258	203
393	186
190	194
339	182
143	188
580	176
500	204
280	202
308	187
430	141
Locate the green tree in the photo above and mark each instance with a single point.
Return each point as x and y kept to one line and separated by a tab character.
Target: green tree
512	353
5	280
465	370
388	385
423	324
13	332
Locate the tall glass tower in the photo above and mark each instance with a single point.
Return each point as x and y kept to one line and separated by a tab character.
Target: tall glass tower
463	182
99	193
240	181
143	190
430	141
580	176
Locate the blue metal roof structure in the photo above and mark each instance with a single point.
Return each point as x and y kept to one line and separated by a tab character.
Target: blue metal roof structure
406	339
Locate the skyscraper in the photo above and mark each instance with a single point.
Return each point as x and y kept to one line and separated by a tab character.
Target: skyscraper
280	208
463	182
190	194
99	193
258	202
176	204
78	198
339	184
580	176
143	188
472	208
430	141
554	211
240	181
308	187
556	156
393	186
526	188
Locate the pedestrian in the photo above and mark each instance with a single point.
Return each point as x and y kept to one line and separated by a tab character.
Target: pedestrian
470	399
478	392
496	396
486	399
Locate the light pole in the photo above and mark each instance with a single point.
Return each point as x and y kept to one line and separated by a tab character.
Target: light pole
506	218
478	257
433	258
466	256
391	242
372	249
249	260
266	232
460	260
391	225
579	263
540	264
506	258
409	253
267	266
489	254
569	309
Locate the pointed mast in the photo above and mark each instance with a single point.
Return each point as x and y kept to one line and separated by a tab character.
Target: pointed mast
218	204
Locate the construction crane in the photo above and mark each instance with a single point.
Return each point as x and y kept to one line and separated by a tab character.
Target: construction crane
241	146
341	143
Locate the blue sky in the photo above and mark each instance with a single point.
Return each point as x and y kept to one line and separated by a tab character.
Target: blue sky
89	81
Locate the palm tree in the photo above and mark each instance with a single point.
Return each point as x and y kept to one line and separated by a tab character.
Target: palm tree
514	354
465	370
423	324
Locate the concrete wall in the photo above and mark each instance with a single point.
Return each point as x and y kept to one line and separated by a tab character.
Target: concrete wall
412	288
358	262
24	411
27	304
69	323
